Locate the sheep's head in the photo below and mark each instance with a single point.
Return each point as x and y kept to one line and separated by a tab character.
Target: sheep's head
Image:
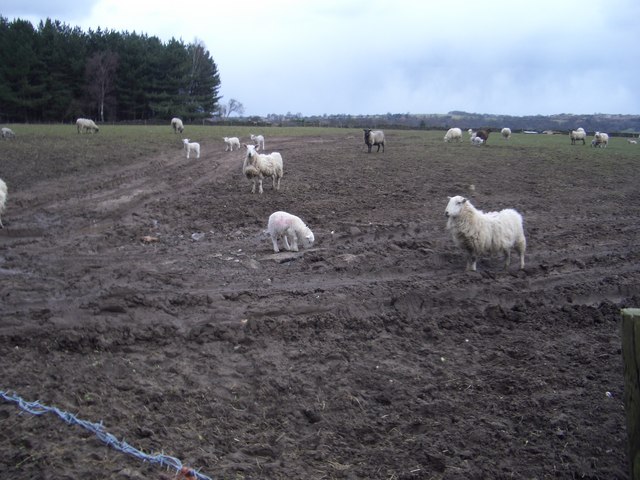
251	151
454	206
367	132
308	238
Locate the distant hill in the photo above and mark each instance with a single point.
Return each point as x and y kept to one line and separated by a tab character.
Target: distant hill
563	122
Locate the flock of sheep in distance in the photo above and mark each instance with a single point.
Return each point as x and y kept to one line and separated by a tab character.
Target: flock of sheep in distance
477	233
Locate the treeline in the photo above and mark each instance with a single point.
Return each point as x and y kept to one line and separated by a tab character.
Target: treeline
56	73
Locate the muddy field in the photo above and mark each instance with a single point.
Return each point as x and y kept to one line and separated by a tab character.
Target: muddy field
371	355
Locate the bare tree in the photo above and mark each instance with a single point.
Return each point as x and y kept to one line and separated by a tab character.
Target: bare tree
234	106
100	74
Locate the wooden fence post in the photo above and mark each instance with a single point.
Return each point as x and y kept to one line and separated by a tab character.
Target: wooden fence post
631	359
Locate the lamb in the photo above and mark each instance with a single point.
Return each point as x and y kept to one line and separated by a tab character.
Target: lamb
471	133
374	137
191	146
506	133
484	134
481	233
3	198
577	135
453	134
256	166
290	229
7	133
600	140
177	125
86	125
259	139
230	143
476	141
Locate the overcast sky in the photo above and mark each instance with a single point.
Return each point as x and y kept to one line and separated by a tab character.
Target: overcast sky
392	56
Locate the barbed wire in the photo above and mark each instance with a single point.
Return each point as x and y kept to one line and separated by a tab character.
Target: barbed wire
37	408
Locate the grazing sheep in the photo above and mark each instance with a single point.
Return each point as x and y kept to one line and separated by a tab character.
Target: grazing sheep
290	229
577	135
600	140
256	166
484	134
259	139
481	233
7	133
476	141
177	125
191	146
633	142
374	137
86	125
506	133
230	142
453	134
3	198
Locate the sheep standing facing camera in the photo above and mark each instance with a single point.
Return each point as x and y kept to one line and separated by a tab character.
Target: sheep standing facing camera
480	233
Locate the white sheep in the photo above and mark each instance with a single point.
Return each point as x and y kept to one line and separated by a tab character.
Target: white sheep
600	140
230	143
480	233
290	229
471	133
191	146
3	198
7	133
85	125
374	137
633	142
453	135
259	140
476	141
177	125
577	135
256	166
506	133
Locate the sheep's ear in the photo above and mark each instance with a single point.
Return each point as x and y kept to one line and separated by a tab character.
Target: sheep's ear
464	200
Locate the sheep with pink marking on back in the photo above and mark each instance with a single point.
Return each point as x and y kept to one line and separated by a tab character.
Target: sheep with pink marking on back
290	229
256	166
479	233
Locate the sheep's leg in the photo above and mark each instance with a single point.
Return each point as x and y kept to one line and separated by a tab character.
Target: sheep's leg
253	186
260	190
274	239
471	263
294	242
286	242
507	258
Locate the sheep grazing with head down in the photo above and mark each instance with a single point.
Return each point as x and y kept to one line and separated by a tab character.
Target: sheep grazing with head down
259	140
7	133
477	141
85	125
177	125
290	229
506	133
3	199
231	142
483	134
480	233
191	147
577	135
453	135
256	166
374	137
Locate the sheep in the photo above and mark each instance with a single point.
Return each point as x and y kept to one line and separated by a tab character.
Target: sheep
471	133
259	139
506	133
290	229
476	141
3	198
230	142
484	134
374	137
7	133
600	140
453	134
191	146
256	166
177	125
577	135
633	142
480	233
86	125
